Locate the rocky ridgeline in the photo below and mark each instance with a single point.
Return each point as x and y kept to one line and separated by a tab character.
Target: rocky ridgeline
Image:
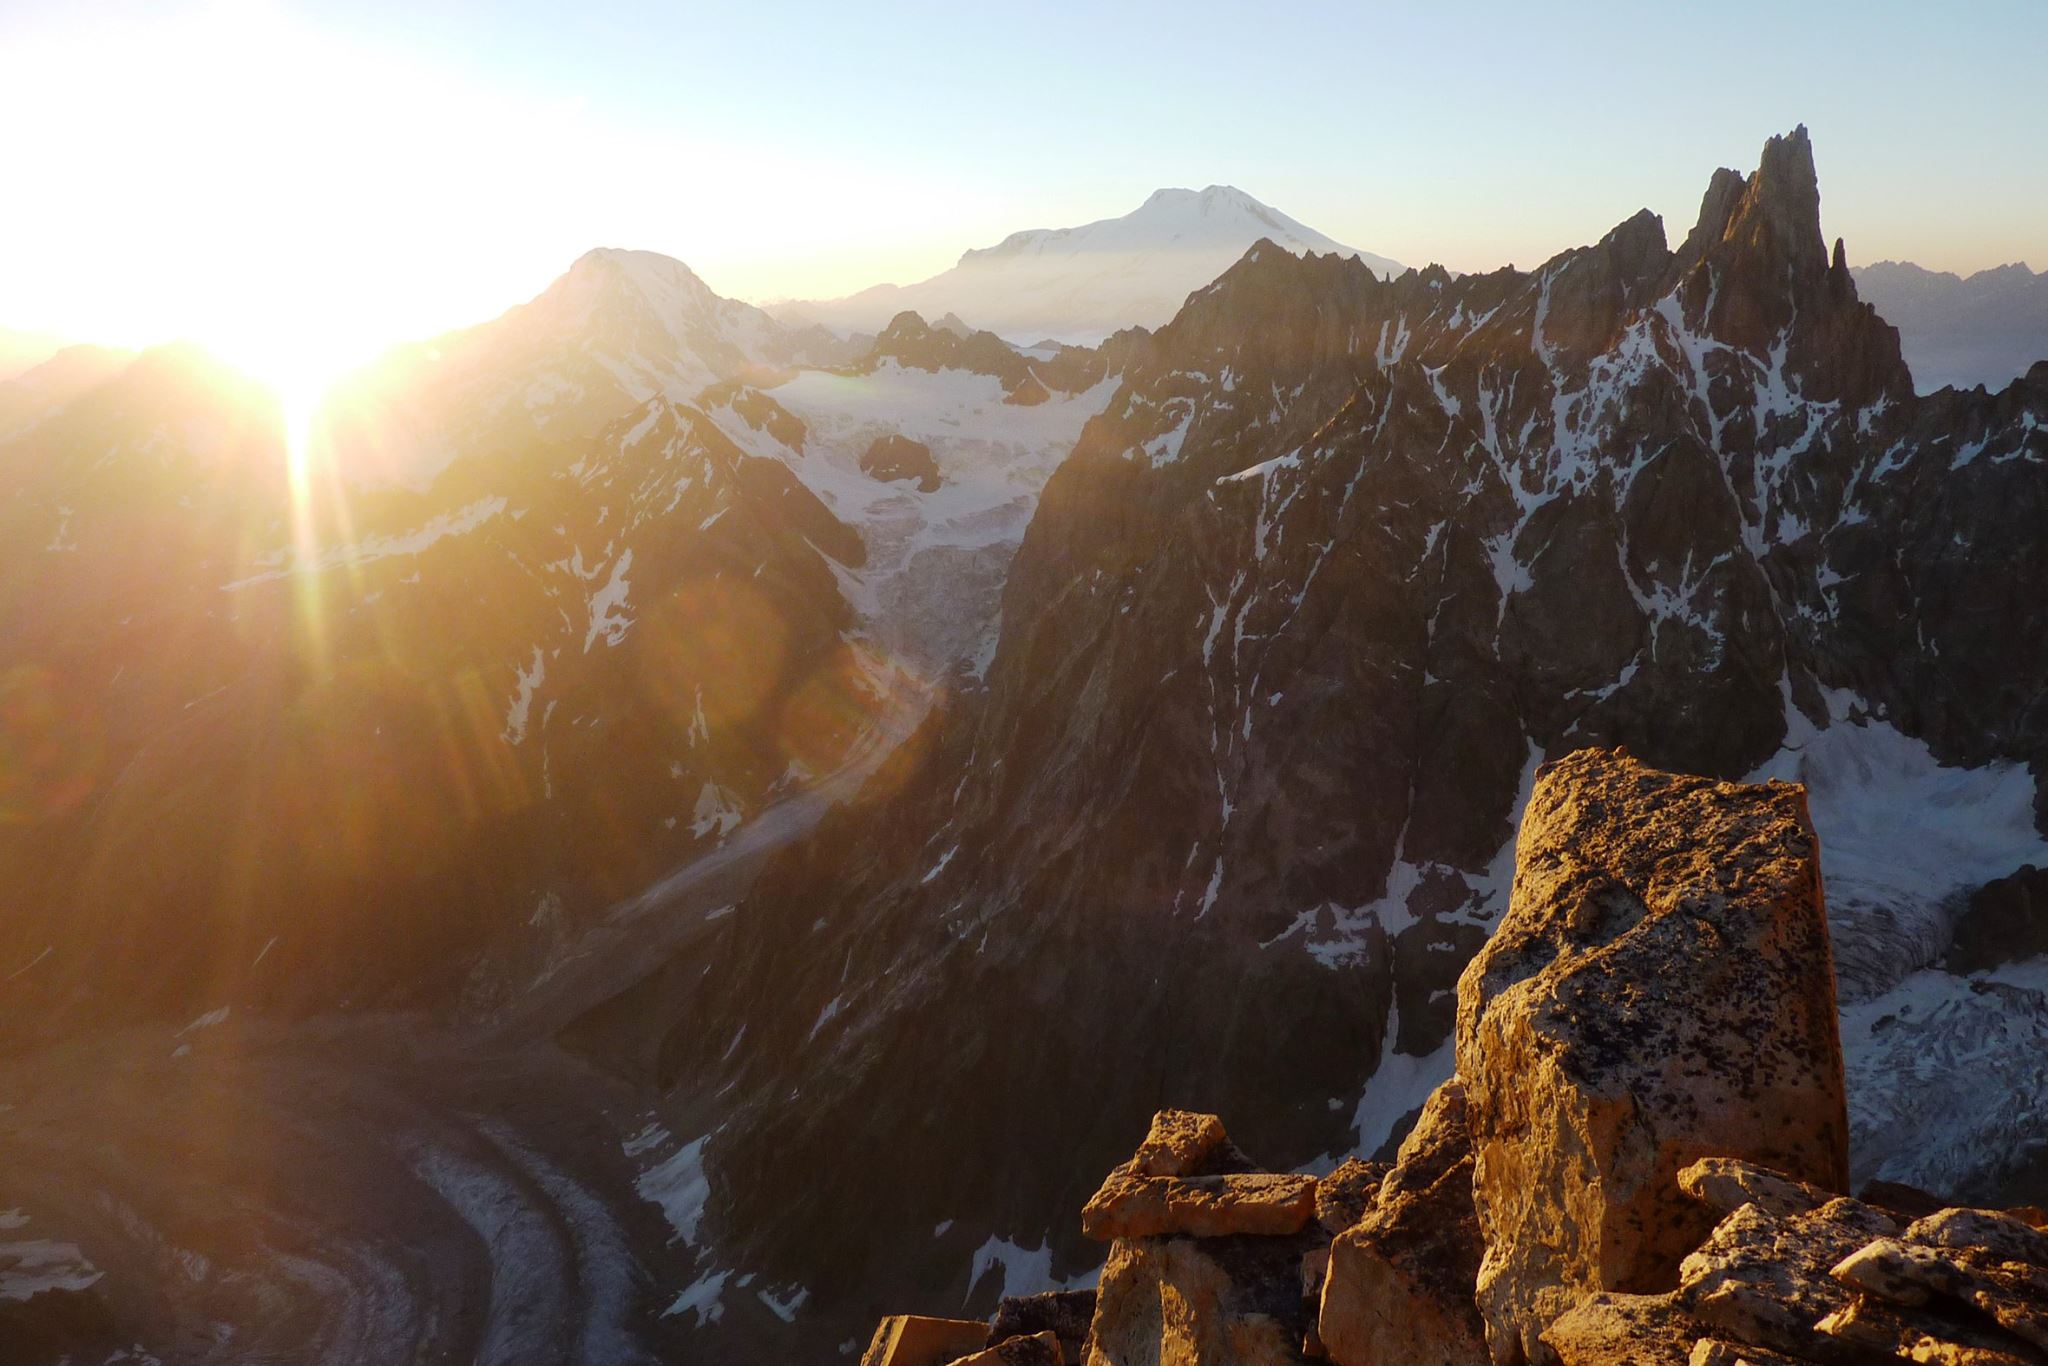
1642	1157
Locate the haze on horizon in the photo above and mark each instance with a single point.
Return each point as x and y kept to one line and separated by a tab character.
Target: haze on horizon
302	182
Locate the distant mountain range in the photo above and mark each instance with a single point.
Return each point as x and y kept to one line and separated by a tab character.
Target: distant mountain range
1081	284
1983	329
21	351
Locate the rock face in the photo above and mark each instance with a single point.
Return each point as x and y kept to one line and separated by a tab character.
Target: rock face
1661	990
1399	1286
1827	1280
1027	380
1188	1178
1201	1207
898	457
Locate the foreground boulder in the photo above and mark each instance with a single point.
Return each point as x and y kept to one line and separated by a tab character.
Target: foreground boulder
1399	1284
1065	1314
913	1340
1207	1260
1187	1178
1201	1302
1660	990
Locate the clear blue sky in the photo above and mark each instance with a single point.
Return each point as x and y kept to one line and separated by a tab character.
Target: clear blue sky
793	149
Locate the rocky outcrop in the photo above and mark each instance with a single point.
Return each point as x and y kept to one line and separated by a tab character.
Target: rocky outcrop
1206	1263
1399	1284
2005	922
896	456
1661	990
910	341
1202	1301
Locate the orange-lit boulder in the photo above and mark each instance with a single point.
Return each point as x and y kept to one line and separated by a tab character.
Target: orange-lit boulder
1660	990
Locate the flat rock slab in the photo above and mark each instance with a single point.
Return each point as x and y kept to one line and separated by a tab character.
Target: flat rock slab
1266	1203
1725	1184
1035	1349
913	1340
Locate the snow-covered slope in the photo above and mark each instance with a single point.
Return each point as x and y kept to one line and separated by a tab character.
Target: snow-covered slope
930	593
1081	284
619	328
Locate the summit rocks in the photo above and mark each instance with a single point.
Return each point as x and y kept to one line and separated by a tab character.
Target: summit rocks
1660	991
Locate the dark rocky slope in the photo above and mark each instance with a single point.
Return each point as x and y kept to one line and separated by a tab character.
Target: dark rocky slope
468	714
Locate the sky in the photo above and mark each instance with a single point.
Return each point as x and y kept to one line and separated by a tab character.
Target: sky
312	180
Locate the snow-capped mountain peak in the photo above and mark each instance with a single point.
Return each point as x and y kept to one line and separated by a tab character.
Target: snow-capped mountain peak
1221	216
1082	283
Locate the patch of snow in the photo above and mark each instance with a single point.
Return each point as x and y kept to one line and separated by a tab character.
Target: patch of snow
1023	1270
459	522
1398	1086
703	1298
607	600
679	1185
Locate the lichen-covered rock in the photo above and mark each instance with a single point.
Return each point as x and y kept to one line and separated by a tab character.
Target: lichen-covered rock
1660	990
1183	1143
1346	1194
1065	1314
1714	1352
1726	1184
1990	1262
1187	1177
1622	1330
1995	1233
1035	1349
1764	1278
1201	1302
1923	1336
914	1340
1399	1286
1273	1204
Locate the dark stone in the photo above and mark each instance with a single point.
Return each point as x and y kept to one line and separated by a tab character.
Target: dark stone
2007	921
896	456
